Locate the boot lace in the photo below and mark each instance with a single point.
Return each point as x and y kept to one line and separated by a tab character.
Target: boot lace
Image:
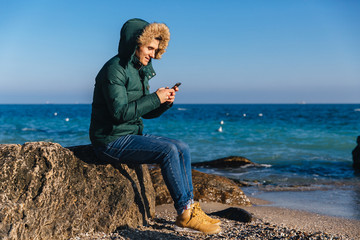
199	212
196	214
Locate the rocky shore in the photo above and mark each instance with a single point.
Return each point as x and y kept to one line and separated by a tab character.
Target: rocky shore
51	192
263	226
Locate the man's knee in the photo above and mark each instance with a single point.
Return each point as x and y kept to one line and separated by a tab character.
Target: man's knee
182	146
171	149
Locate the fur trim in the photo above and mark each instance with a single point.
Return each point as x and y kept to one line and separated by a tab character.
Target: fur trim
155	30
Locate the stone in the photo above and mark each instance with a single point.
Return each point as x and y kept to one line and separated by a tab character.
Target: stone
234	213
227	162
51	192
356	155
207	188
162	193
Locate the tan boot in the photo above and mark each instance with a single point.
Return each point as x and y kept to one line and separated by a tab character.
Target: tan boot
197	208
190	220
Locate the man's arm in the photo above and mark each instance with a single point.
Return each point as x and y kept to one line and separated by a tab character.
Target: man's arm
157	112
164	106
114	92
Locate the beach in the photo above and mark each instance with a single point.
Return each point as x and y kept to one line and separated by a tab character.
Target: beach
268	223
116	202
297	147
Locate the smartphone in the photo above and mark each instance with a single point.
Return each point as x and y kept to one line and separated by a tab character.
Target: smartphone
176	85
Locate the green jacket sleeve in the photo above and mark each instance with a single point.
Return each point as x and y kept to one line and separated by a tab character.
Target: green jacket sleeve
120	108
158	111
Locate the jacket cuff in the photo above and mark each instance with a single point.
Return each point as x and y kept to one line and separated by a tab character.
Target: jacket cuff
155	98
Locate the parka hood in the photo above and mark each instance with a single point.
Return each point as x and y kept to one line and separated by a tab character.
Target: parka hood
137	31
129	34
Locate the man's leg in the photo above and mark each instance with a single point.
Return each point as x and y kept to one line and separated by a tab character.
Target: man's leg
185	162
140	149
137	149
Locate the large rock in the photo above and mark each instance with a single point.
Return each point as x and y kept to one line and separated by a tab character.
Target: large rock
50	192
207	188
356	155
234	213
227	162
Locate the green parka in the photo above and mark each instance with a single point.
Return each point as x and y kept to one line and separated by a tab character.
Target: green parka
121	94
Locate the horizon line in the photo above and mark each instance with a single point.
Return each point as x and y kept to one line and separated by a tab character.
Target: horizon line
78	103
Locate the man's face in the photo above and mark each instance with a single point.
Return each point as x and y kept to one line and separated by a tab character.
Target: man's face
146	52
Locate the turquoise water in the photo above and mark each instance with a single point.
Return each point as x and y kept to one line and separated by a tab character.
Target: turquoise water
303	145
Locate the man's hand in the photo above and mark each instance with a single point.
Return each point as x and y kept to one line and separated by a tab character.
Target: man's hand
175	88
166	95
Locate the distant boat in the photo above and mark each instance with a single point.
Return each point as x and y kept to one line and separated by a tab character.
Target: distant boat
357	109
220	129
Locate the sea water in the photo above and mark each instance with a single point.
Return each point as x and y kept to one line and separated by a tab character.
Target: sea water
304	149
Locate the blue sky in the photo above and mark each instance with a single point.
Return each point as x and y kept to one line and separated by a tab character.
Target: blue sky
255	51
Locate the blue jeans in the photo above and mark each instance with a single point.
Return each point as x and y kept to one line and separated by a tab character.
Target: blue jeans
172	155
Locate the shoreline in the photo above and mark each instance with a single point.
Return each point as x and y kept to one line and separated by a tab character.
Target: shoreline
333	202
304	220
298	220
268	223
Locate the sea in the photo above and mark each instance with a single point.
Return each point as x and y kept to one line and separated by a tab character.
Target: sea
303	151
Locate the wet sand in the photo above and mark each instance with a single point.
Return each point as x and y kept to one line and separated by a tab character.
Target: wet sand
268	223
299	220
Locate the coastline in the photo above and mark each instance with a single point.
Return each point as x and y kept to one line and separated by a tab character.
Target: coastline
332	166
298	220
336	202
304	220
268	223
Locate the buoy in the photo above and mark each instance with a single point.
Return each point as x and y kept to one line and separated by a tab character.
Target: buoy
55	113
260	114
221	122
67	119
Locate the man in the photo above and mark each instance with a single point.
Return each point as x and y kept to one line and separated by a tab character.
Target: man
121	99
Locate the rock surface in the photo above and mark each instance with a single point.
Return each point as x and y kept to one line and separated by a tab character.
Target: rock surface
227	162
234	213
162	227
207	188
356	155
50	192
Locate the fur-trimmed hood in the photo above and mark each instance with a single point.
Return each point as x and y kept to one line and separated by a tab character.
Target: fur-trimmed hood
138	32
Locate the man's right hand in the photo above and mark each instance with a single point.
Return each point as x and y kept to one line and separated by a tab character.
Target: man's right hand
166	95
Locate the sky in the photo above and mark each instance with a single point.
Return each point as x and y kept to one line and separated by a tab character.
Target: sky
240	51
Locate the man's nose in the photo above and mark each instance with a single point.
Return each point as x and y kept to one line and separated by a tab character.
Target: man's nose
152	54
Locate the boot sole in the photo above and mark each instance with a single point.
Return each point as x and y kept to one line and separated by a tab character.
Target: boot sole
185	229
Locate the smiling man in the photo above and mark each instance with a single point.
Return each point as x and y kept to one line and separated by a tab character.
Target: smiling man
146	52
122	98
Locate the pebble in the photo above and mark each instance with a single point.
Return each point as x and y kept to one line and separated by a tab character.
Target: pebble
162	227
